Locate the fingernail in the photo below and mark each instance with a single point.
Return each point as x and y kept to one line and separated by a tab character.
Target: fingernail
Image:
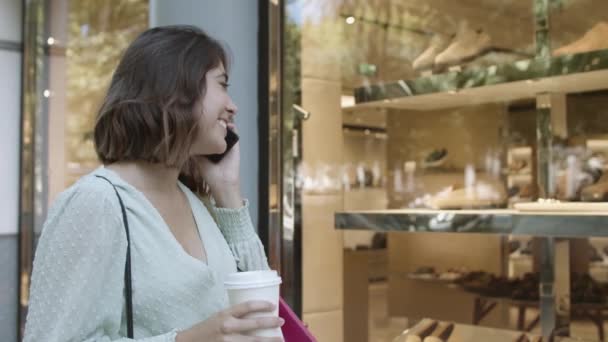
282	321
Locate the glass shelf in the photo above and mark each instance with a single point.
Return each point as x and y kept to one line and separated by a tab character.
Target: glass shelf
495	221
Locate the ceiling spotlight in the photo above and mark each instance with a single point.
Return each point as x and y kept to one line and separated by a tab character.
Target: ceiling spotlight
46	93
50	41
350	20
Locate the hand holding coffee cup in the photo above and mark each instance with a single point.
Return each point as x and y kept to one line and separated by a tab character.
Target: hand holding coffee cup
243	287
232	324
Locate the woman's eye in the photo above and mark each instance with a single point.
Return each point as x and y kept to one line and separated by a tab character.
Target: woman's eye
225	85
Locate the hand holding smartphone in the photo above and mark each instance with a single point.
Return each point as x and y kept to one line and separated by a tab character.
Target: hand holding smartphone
231	139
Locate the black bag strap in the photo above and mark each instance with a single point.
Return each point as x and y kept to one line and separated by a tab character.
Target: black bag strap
128	288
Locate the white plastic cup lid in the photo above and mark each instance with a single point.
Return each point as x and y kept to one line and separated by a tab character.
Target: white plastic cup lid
252	279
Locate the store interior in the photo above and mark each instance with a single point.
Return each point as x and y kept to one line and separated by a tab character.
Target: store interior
475	146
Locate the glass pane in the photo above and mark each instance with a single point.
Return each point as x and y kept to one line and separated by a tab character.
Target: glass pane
71	50
86	39
489	139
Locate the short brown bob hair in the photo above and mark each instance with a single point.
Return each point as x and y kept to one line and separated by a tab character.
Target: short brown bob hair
147	114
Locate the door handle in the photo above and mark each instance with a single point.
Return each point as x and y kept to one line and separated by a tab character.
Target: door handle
301	113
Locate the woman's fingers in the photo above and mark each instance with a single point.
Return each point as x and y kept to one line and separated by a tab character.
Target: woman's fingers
242	338
235	325
246	308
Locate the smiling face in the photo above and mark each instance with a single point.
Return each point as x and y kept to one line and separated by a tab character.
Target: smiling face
216	111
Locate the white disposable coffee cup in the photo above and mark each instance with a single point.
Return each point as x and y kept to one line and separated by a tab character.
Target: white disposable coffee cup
255	285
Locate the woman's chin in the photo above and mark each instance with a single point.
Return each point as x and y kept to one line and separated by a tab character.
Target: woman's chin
223	147
219	150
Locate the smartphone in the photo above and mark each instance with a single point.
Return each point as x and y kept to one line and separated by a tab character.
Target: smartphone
231	139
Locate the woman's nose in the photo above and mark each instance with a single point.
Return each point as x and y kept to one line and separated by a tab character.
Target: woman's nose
232	108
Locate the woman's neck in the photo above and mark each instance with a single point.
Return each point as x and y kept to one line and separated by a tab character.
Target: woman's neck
147	176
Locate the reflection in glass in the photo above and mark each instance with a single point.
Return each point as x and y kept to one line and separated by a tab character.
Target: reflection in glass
578	26
70	51
97	34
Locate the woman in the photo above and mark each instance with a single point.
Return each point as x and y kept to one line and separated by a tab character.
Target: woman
167	107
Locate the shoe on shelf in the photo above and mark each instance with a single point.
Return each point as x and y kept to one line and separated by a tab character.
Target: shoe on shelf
424	272
519	167
527	249
520	192
436	158
570	185
514	246
468	43
513	191
597	192
426	60
480	195
594	254
594	39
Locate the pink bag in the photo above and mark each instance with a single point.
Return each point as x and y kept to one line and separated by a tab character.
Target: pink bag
294	329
